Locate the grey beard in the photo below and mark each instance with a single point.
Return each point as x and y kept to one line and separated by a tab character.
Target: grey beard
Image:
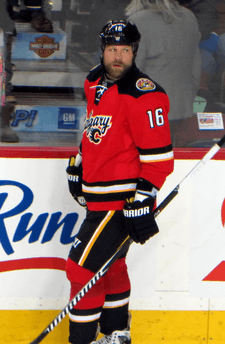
111	74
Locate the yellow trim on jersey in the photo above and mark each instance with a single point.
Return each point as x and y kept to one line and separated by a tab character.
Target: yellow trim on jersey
109	189
157	157
95	236
115	304
84	318
127	238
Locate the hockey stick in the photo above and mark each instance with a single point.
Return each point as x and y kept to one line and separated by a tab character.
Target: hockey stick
83	291
208	156
216	147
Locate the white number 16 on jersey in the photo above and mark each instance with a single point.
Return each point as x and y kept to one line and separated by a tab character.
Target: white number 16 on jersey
156	118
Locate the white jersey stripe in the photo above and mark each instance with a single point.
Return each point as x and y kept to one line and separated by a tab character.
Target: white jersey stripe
157	157
109	189
114	304
84	318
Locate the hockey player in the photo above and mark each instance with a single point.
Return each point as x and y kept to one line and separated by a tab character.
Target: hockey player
125	155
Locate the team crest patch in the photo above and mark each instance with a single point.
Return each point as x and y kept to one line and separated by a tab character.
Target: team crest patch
144	84
97	127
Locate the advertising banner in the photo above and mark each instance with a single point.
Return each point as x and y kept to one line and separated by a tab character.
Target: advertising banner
48	118
40	46
38	222
181	268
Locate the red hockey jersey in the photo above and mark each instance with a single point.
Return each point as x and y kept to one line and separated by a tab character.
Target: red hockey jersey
126	137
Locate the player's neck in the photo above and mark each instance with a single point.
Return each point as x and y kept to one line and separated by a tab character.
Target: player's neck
107	78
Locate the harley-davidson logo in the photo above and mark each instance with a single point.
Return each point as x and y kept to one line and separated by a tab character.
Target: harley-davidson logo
44	46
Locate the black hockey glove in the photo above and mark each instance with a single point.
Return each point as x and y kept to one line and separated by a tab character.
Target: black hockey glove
74	175
141	224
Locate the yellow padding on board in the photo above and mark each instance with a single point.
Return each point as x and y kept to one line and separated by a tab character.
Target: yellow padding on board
21	327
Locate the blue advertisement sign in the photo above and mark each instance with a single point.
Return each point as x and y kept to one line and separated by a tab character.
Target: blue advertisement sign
68	119
48	118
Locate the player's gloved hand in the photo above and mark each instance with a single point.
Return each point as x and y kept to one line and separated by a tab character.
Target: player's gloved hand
141	224
74	175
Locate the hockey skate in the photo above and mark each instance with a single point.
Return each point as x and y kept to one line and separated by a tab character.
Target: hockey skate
117	337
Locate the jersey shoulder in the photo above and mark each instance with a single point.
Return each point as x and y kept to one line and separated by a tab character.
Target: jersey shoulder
95	73
135	83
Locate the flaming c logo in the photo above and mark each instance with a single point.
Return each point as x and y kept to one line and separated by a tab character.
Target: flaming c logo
223	213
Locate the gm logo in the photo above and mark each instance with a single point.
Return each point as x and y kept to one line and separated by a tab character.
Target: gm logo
68	119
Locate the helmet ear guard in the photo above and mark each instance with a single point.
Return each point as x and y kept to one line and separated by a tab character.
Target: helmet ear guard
120	32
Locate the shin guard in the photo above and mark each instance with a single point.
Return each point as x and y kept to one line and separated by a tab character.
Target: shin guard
117	288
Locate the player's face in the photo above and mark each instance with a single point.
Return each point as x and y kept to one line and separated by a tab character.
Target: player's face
117	60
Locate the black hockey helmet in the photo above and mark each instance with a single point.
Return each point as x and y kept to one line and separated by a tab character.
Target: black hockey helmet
120	32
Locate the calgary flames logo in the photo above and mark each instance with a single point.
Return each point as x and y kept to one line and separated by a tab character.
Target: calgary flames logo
44	46
144	84
96	127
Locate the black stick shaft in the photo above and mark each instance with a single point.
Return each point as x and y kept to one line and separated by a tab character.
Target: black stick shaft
208	156
221	141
